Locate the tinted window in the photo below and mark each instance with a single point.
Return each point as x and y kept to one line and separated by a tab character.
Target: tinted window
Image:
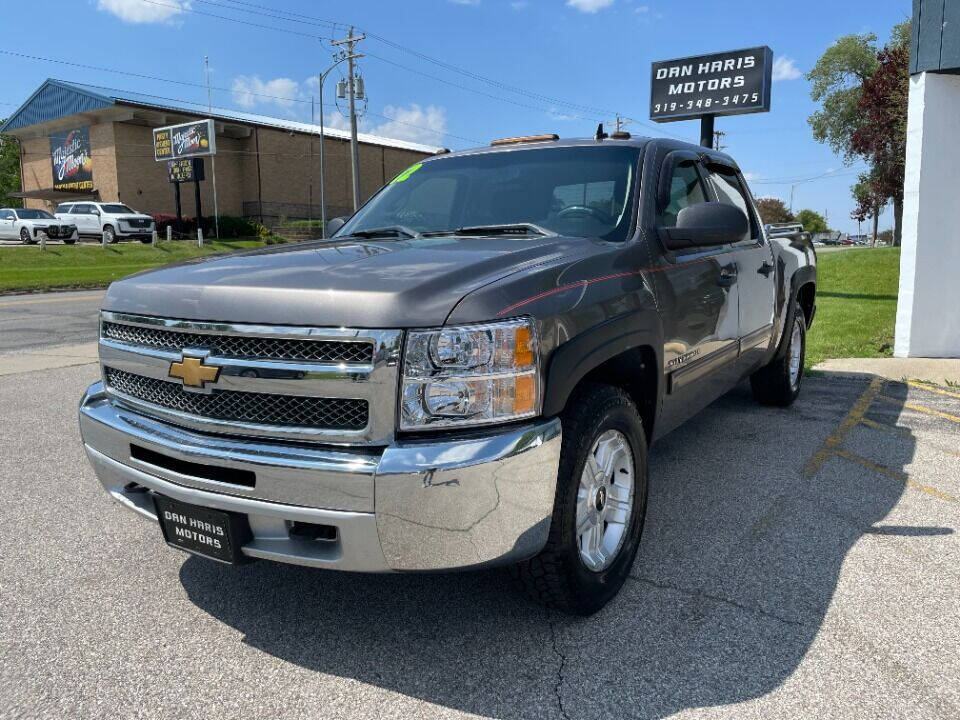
7	215
64	208
116	209
727	185
82	209
684	190
575	191
28	214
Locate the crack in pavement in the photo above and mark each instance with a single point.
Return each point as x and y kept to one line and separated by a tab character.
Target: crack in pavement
563	662
717	598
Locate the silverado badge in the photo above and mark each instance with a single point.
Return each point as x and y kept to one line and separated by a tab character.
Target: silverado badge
193	372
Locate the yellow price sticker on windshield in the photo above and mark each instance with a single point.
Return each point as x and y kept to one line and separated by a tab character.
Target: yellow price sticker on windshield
406	173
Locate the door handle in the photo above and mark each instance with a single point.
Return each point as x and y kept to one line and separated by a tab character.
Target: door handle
728	276
766	269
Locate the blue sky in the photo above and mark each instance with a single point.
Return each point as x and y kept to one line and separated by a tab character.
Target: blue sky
574	62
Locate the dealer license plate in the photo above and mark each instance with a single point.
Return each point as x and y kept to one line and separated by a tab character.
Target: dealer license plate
199	530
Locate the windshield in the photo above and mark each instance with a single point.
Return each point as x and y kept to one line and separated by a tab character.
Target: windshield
26	214
574	191
116	209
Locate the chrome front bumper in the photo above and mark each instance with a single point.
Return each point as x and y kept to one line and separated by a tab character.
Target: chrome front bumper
472	501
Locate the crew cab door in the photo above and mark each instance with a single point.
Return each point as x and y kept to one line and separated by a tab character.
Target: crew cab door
757	276
697	295
86	217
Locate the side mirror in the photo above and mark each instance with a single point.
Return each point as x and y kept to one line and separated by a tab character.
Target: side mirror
705	225
335	224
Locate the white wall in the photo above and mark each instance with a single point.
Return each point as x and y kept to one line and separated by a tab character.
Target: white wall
928	310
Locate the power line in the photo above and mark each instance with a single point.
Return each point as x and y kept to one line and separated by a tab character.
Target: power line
333	24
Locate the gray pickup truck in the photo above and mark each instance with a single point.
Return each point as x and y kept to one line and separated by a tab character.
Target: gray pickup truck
470	373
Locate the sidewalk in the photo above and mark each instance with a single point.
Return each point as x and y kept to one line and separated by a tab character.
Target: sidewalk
939	371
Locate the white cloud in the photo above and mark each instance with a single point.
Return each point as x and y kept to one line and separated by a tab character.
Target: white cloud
785	68
589	6
465	2
413	122
137	11
250	90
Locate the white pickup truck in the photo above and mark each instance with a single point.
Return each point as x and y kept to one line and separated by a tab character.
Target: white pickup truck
113	220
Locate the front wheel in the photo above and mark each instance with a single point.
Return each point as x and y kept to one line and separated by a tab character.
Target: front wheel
599	506
25	237
779	382
109	235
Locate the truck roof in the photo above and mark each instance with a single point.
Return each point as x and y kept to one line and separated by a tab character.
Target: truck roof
635	141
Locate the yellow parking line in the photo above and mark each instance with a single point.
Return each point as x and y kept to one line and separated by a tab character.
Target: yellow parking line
897	475
901	430
932	388
852	419
36	301
921	409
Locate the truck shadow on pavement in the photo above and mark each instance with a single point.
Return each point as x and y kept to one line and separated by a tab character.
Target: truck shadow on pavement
751	514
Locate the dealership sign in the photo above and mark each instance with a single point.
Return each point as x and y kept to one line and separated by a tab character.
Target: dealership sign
727	83
72	162
192	139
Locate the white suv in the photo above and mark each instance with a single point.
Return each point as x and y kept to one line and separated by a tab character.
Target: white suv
111	220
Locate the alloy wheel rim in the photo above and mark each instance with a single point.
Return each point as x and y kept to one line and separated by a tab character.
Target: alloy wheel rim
796	350
605	500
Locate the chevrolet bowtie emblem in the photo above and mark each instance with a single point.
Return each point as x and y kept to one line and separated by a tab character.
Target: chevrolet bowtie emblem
193	372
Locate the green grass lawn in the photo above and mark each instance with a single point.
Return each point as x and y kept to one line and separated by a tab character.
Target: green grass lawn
70	266
856	304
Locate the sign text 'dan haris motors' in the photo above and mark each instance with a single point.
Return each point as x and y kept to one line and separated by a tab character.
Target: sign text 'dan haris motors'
727	83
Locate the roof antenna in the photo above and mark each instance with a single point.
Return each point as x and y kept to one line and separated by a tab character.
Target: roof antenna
600	133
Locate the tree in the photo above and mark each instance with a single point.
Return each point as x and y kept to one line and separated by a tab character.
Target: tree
863	92
882	138
870	202
836	82
9	170
773	210
812	221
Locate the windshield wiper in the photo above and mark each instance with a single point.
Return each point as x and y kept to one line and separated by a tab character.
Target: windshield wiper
507	229
386	231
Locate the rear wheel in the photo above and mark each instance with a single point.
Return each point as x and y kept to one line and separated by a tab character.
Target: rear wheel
779	382
599	506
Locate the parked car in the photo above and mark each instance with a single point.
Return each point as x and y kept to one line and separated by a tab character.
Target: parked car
27	224
114	221
469	373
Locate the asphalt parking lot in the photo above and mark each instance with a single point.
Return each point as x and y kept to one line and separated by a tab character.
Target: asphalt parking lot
795	563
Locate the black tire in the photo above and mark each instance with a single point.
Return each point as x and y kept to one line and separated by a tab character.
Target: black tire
558	576
773	384
69	241
26	238
146	241
113	239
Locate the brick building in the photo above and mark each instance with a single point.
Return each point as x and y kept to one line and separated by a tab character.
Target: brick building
100	146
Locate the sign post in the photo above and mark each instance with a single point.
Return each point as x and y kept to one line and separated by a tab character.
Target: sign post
183	148
704	86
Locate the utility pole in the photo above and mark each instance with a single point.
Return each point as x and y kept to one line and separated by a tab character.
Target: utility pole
213	158
351	41
718	135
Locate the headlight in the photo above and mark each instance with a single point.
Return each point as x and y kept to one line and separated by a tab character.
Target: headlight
470	375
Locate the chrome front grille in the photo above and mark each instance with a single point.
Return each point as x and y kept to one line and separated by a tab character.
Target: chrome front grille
332	385
264	348
259	408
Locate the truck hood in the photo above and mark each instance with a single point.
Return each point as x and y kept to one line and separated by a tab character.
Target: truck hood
364	284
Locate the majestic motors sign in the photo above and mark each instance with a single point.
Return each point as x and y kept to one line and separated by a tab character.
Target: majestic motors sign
192	139
727	83
72	162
